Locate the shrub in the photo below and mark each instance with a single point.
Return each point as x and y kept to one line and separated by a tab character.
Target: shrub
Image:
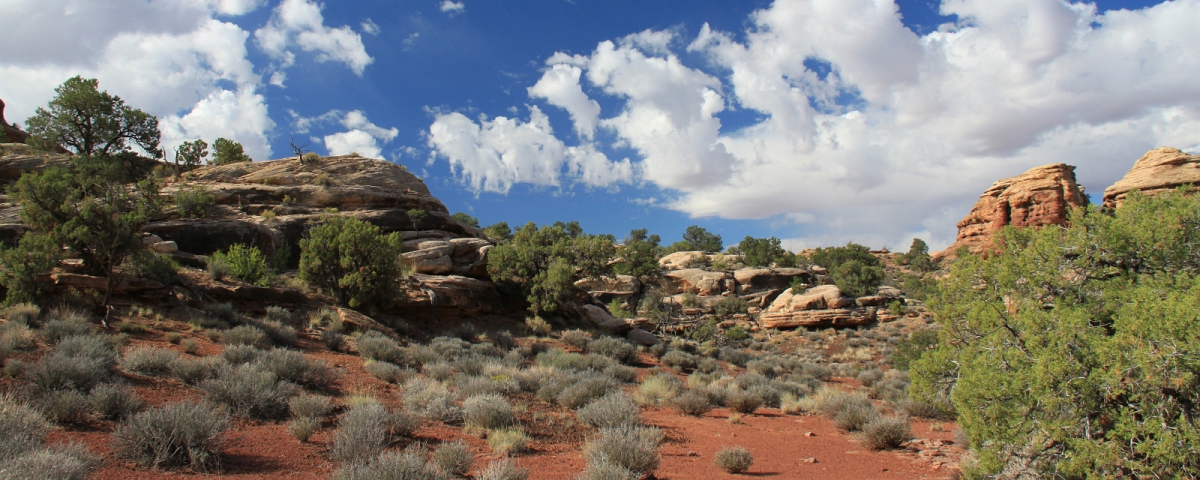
764	252
72	461
23	313
612	410
298	368
606	470
883	433
147	264
910	349
503	469
193	202
487	411
150	361
223	312
430	399
736	334
733	459
454	458
353	260
576	338
854	416
250	391
279	333
545	263
312	406
678	360
614	348
869	377
388	372
621	373
64	406
857	279
245	335
585	390
192	371
375	346
111	402
922	409
736	356
175	434
743	401
22	428
362	433
633	448
240	354
20	268
58	371
57	329
730	305
246	263
303	428
333	340
508	441
692	403
218	270
537	326
658	389
404	465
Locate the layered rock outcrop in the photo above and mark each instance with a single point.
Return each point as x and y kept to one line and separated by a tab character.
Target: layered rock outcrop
1041	196
1158	170
820	306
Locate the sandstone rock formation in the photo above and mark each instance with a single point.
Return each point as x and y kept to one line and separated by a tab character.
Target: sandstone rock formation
607	289
12	134
681	260
1041	196
821	306
1158	170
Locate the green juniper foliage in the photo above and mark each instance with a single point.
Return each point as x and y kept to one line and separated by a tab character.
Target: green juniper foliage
353	260
640	253
764	252
227	151
1074	352
93	123
696	238
467	219
545	263
190	155
853	268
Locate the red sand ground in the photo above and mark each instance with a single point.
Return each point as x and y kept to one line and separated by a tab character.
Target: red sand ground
783	446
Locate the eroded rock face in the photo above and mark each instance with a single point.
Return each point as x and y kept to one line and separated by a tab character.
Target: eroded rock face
450	295
1041	196
1158	170
607	289
695	280
681	260
820	306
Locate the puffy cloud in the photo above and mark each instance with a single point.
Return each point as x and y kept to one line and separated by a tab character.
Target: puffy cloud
174	60
300	23
369	27
237	7
453	8
492	155
362	136
865	130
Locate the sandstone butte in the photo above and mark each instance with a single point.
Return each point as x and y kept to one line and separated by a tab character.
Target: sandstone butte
1041	196
1158	170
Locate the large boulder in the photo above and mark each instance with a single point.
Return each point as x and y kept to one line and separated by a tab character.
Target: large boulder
841	317
205	236
817	298
1041	196
754	280
695	280
450	295
607	289
1158	170
604	320
682	260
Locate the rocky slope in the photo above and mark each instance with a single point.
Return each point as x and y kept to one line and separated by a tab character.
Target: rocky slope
1041	196
1158	170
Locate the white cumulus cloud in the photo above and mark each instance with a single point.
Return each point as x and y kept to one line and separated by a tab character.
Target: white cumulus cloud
893	136
452	8
299	23
361	136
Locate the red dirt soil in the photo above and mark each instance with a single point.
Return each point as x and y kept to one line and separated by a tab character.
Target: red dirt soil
781	444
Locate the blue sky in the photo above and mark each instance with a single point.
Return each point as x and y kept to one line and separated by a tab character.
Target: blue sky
818	122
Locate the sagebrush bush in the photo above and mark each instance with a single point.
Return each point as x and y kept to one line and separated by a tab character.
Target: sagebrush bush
22	428
855	416
403	465
64	406
241	354
193	202
922	409
375	346
312	406
612	410
192	371
56	329
362	433
883	433
614	348
743	401
114	402
658	389
150	361
23	313
149	265
585	390
275	330
303	428
631	447
508	441
606	470
488	411
298	368
503	469
430	399
388	372
576	338
692	403
250	391
454	458
72	461
187	434
77	362
245	335
678	360
733	459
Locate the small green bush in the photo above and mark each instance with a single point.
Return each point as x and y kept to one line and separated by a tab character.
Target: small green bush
585	390
733	459
576	338
240	354
910	349
57	329
224	312
279	333
730	305
658	389
72	461
678	360
631	447
64	406
193	202
855	416
375	346
612	410
146	264
192	371
312	406
883	433
430	399
303	428
187	434
362	434
298	368
245	335
388	372
857	279
743	401
22	428
246	263
403	465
